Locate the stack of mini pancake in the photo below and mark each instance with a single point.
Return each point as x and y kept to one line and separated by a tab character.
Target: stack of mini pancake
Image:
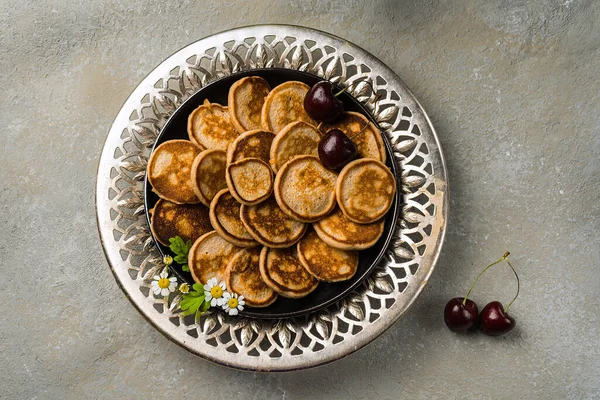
248	189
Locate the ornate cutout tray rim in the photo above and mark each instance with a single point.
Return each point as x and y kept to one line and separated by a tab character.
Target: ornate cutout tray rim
320	337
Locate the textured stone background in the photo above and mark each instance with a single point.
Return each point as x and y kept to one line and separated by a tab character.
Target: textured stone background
513	90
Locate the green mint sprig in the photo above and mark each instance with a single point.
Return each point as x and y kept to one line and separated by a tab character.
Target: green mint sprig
181	250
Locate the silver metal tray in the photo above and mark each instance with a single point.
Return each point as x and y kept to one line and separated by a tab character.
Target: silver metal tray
326	335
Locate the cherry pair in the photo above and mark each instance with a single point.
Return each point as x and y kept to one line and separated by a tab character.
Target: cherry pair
461	314
335	148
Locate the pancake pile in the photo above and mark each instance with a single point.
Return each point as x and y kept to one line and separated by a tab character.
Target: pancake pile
249	190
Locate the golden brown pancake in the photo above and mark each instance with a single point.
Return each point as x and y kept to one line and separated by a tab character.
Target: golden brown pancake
269	226
295	139
188	221
169	170
243	277
252	144
369	143
245	101
304	189
365	190
285	104
250	180
338	231
225	219
208	175
324	262
210	127
209	256
282	270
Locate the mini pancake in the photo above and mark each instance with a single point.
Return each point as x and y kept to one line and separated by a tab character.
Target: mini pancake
209	256
269	226
369	143
250	180
245	101
295	139
338	231
225	219
365	190
208	175
169	170
210	126
252	144
304	189
324	262
243	277
283	272
188	221
285	104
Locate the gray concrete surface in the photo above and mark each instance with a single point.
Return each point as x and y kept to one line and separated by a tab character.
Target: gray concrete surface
513	90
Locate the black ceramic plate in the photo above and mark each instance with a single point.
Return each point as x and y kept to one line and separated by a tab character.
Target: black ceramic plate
326	293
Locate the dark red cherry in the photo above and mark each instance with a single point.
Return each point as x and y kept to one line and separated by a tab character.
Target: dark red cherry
494	321
321	104
336	149
460	317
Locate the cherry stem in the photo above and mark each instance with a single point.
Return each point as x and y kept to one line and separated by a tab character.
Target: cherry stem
518	285
340	92
352	84
377	97
361	131
481	273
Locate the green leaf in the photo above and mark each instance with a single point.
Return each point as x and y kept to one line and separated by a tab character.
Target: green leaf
198	287
205	306
191	303
181	250
180	259
203	309
177	245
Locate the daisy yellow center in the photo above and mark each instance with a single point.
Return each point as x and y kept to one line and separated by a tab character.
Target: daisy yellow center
216	291
164	283
233	302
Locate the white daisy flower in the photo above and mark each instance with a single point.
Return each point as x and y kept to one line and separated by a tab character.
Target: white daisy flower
214	292
167	260
233	304
184	288
163	285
